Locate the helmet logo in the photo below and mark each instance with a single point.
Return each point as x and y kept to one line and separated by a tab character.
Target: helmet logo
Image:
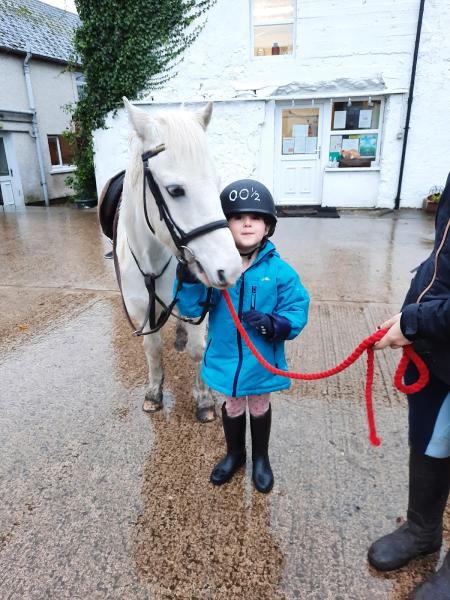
244	194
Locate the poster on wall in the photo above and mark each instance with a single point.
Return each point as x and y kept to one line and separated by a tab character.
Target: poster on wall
288	145
350	144
300	145
365	119
340	117
336	143
300	130
311	145
368	145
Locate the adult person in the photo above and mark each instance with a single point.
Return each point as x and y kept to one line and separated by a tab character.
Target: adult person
425	322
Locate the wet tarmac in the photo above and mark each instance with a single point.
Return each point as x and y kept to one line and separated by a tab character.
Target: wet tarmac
99	500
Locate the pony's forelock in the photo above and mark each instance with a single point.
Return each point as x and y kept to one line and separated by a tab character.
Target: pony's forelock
183	136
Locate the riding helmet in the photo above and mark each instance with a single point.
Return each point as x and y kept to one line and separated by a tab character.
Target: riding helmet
249	196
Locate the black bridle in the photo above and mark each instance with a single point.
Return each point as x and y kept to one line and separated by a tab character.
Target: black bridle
181	240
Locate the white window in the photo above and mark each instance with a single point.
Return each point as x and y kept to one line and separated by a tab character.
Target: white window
81	85
61	152
273	27
355	133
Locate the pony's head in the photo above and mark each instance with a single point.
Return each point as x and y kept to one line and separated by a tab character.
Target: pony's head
189	185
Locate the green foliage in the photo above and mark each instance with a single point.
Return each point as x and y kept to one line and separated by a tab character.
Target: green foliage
125	48
435	193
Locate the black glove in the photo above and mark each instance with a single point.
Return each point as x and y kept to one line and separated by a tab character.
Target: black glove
273	327
262	322
184	274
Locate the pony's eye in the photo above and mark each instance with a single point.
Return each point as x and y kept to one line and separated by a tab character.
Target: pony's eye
175	191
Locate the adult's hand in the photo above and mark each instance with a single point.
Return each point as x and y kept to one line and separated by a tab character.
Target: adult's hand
394	338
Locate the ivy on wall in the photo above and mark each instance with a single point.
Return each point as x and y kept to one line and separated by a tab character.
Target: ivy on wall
124	48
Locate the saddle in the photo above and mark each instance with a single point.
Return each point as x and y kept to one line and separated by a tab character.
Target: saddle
109	202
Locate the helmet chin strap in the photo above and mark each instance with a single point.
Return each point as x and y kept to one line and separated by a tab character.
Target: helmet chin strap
252	251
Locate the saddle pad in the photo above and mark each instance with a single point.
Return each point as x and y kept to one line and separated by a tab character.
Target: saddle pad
109	201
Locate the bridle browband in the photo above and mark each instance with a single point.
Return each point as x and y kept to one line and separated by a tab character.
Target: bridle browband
181	240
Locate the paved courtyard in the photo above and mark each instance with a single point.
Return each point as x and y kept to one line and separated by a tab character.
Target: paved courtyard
99	500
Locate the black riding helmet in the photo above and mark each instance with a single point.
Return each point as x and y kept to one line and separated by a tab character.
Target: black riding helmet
249	196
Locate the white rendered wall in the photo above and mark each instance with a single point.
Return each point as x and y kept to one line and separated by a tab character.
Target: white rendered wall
53	88
342	48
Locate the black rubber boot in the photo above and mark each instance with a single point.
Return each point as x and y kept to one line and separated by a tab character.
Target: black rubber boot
422	533
437	587
234	429
262	472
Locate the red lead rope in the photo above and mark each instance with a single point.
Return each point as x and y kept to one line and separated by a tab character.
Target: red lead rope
366	345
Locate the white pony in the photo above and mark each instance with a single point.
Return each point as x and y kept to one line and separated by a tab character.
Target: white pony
170	209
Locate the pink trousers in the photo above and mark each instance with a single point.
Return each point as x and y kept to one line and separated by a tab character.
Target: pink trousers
257	405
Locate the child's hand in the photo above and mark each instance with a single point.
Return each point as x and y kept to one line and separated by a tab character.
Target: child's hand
394	338
260	321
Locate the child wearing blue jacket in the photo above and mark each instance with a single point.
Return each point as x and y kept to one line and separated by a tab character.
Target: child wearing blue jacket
273	306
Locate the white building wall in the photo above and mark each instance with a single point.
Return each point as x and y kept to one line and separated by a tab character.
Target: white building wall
342	49
428	152
53	88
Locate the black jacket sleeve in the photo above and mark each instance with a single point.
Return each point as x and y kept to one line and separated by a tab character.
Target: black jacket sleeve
427	320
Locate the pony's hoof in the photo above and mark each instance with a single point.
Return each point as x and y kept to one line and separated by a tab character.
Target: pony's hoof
151	406
206	414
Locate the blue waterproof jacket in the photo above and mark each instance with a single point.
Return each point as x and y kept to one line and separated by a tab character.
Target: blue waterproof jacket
426	311
269	285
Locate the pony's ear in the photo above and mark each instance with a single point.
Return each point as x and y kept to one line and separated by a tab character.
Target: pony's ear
139	119
204	115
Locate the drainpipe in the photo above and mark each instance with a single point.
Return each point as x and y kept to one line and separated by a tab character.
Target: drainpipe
34	126
410	100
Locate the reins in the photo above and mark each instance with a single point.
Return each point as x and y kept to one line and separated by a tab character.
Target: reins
365	346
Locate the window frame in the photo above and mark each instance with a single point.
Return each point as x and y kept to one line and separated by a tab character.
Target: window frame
80	84
279	22
61	167
375	164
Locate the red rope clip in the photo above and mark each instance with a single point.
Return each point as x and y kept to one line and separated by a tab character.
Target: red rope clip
365	346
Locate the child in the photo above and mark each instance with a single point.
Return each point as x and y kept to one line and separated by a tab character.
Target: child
273	305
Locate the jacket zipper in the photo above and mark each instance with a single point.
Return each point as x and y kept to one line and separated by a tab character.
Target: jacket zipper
253	300
438	251
239	340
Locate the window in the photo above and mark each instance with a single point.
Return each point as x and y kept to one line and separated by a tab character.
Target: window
61	153
355	136
81	86
299	130
273	27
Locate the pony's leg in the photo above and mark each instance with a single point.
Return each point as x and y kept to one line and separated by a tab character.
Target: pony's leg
154	394
204	399
181	336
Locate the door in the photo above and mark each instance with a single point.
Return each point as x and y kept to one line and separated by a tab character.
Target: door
6	175
298	133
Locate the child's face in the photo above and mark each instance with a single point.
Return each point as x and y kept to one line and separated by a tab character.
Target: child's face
247	230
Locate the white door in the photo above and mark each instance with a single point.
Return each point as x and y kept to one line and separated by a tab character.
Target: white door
6	175
298	132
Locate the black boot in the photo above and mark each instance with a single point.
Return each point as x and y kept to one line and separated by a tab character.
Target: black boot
234	429
262	473
437	587
429	480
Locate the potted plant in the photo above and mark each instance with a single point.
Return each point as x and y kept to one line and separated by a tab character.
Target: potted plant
430	203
